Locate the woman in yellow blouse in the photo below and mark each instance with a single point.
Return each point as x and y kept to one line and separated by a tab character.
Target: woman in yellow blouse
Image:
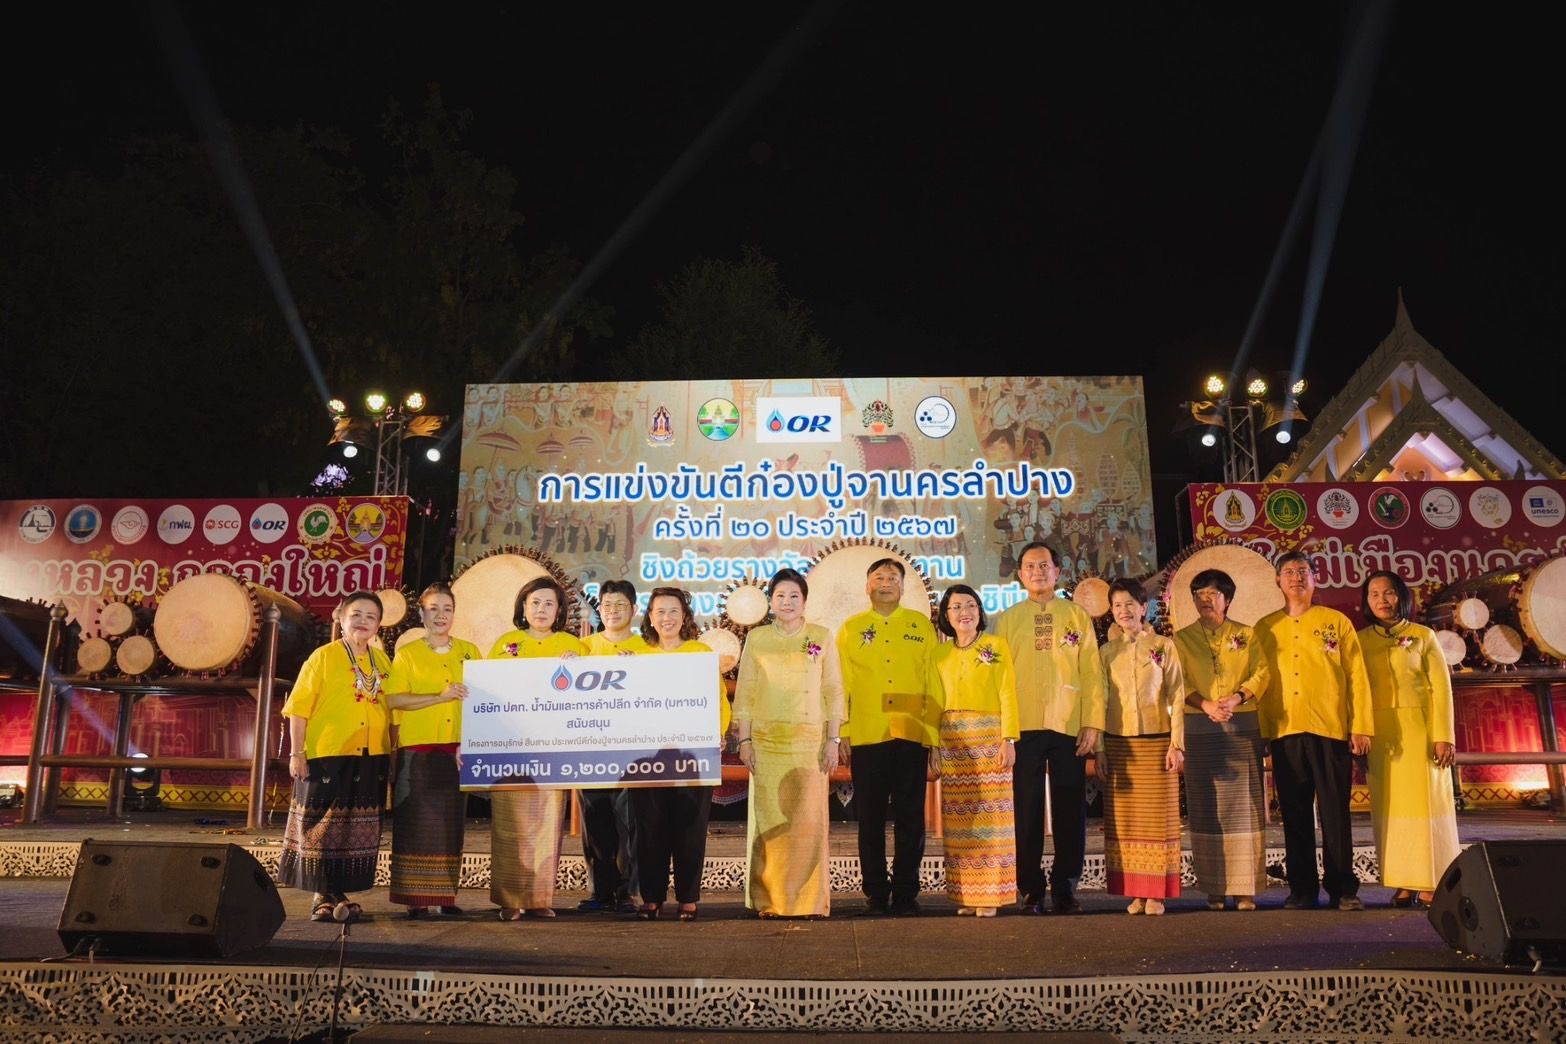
525	820
1225	676
1411	804
337	731
978	728
425	693
1139	761
788	704
671	821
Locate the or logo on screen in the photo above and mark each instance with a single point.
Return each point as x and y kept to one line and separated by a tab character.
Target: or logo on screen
718	419
269	523
805	419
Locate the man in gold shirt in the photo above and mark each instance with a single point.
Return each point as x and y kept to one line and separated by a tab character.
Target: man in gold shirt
1060	711
1317	713
893	699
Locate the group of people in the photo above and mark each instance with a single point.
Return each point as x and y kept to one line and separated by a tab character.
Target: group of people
997	714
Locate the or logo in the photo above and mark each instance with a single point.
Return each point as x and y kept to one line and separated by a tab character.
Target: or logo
269	523
935	416
222	524
815	418
1337	508
718	419
130	524
560	681
1389	507
176	523
316	524
586	681
37	523
1490	507
366	523
877	417
661	431
1543	506
1234	510
1286	509
1441	508
82	524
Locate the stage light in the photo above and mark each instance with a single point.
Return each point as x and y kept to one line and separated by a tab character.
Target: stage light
432	455
142	786
338	408
1209	439
375	402
350	450
1257	389
414	402
1297	388
1215	386
1283	436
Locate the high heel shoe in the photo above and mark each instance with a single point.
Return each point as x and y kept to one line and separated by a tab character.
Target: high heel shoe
688	913
648	911
1402	898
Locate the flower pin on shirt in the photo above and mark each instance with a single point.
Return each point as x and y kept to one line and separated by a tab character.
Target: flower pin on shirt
1406	642
811	649
1156	657
867	635
1329	642
511	648
1236	642
987	654
1072	638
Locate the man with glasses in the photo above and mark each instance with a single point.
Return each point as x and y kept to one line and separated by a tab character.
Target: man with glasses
1060	711
1317	713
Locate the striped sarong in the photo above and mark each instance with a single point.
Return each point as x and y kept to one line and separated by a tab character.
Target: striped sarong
333	836
976	812
1225	802
786	824
1141	818
524	846
426	848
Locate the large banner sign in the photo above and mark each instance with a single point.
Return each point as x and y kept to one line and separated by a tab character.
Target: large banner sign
701	483
87	552
592	722
1430	533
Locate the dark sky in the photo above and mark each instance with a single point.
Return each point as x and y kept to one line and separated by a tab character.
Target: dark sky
993	191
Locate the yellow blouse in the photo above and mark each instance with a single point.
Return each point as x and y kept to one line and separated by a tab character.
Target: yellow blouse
1221	662
1146	688
980	678
1060	678
599	645
422	671
1317	681
781	682
518	644
341	720
888	686
1406	669
693	646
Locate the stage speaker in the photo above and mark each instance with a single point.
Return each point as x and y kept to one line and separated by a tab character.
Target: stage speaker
1501	899
169	899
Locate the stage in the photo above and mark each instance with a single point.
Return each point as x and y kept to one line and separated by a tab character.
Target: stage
1194	975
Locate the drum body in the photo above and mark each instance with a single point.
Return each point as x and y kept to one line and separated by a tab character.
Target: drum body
745	605
211	624
138	657
1541	606
94	656
837	583
1256	591
725	643
486	594
119	619
1498	614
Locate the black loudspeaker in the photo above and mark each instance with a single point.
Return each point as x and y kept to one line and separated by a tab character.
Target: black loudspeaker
169	899
1501	900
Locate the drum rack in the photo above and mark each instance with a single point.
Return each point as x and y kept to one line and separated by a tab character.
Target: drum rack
1539	680
47	756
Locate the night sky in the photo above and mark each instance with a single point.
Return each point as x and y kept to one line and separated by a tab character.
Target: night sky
1003	192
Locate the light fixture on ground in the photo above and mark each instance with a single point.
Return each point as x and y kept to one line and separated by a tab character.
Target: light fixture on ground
141	788
388	428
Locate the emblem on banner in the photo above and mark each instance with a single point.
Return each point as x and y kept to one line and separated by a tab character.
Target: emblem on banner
366	523
82	524
661	431
1440	508
37	523
1490	507
316	524
877	417
1233	510
1337	508
176	524
1286	510
1389	507
718	419
130	524
935	416
1543	506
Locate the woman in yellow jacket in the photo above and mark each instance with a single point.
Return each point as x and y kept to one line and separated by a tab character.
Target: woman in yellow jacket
1411	804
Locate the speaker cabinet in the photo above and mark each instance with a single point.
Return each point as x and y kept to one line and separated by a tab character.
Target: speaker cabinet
169	899
1499	899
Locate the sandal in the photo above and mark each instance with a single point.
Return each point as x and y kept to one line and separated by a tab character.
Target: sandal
509	913
648	911
542	912
354	909
323	910
687	913
985	911
1402	898
1215	902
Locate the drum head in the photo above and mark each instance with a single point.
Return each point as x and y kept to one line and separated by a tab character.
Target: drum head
837	584
1092	594
136	655
725	643
394	607
746	605
486	594
1501	645
411	635
1471	614
1454	647
1541	608
205	622
116	619
1255	584
94	655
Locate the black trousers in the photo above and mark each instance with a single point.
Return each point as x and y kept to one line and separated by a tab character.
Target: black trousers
892	771
671	825
1313	772
609	843
1039	750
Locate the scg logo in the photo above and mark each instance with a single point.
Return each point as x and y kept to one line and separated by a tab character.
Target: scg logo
816	418
564	681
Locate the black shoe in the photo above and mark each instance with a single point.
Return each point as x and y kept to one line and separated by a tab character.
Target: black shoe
905	908
1066	903
1349	902
595	905
1033	906
415	912
875	908
1296	901
624	906
451	911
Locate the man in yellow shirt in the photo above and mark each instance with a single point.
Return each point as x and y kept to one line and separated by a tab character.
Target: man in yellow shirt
1060	711
1317	713
893	698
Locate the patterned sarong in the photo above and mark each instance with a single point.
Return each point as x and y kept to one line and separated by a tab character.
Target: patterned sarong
524	847
786	824
976	812
1141	818
427	810
333	836
1224	799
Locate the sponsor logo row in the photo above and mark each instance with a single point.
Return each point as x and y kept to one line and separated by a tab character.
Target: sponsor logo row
221	525
802	419
1390	507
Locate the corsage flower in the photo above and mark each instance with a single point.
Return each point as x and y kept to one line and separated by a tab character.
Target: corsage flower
811	649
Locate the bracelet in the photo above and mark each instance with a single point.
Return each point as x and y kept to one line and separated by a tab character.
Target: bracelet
744	741
298	754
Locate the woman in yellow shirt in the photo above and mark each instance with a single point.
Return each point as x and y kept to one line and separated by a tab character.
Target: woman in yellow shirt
524	819
671	821
788	704
425	693
978	728
1143	749
337	731
1412	808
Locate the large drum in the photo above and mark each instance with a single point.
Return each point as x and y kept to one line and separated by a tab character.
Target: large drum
745	604
138	657
1541	606
1256	590
486	594
118	619
1092	594
211	624
94	656
1482	611
837	583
